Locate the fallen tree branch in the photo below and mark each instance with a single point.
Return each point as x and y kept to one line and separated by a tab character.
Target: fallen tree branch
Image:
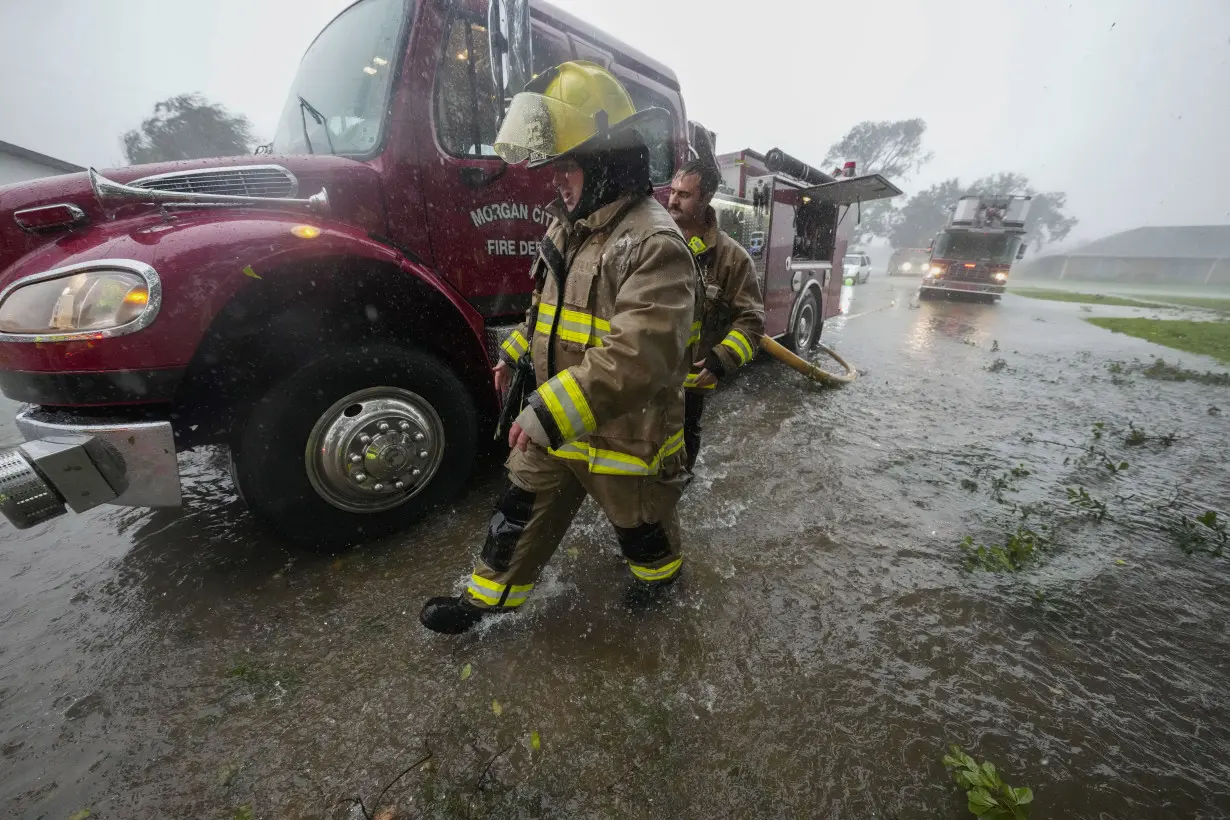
478	783
358	800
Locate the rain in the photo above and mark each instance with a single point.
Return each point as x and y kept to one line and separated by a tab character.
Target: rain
955	543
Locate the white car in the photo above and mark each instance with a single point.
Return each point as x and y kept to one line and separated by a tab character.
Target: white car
856	266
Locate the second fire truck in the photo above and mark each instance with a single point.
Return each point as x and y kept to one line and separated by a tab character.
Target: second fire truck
974	253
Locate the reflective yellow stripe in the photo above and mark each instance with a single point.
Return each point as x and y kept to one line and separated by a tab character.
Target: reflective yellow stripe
673	445
611	462
573	326
568	406
734	348
486	583
569	335
515	345
557	411
659	574
578	399
485	598
743	342
601	324
690	381
517	595
695	337
490	592
573	451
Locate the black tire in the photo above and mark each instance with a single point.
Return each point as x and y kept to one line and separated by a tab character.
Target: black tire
269	462
807	325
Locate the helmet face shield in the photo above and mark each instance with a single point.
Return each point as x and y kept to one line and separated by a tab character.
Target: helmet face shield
541	126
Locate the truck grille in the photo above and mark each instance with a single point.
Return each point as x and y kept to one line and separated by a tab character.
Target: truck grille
25	498
250	180
960	273
495	336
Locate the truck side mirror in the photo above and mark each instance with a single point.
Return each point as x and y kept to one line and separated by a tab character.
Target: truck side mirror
511	46
1020	252
702	143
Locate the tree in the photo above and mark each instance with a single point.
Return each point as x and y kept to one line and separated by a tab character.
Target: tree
915	223
188	127
1046	222
891	148
925	213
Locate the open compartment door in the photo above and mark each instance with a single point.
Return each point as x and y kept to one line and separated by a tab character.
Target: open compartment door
847	191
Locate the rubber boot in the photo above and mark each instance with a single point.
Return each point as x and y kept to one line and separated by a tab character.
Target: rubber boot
449	616
643	595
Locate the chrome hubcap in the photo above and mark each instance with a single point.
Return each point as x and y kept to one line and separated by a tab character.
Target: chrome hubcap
375	449
805	322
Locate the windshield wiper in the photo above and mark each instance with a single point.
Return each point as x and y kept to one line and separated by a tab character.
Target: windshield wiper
304	105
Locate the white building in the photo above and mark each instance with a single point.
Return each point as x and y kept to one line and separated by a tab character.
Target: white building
19	164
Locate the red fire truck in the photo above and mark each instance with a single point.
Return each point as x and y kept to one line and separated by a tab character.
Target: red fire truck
974	253
327	309
795	221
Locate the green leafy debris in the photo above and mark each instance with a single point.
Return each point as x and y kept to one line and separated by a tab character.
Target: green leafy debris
1019	550
986	793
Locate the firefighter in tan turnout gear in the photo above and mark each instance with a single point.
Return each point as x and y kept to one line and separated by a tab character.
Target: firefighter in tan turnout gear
734	312
611	333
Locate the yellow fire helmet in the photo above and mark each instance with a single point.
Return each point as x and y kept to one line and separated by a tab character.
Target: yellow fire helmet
565	109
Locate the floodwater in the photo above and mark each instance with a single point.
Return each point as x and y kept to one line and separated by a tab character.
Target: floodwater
823	650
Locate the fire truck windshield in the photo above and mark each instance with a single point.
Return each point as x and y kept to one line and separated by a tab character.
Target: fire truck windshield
976	246
346	75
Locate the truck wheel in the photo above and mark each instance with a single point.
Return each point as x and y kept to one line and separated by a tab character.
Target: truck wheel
805	331
357	444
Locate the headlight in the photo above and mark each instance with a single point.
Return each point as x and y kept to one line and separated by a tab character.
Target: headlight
86	300
1001	277
934	270
907	266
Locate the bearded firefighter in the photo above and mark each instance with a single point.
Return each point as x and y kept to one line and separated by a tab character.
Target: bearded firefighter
733	312
610	333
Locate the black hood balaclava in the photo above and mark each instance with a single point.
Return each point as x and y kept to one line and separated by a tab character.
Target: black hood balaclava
611	173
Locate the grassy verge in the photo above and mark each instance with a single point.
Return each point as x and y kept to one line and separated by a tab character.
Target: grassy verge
1206	338
1206	302
1162	371
1083	298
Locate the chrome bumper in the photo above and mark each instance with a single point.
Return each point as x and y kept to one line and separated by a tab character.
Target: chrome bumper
68	463
962	287
147	449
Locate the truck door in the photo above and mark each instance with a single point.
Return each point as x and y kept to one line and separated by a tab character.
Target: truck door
847	195
485	218
781	201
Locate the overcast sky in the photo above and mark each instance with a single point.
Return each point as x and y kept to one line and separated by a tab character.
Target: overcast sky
1124	104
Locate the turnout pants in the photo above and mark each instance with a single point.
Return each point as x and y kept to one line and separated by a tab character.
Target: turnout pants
693	409
539	501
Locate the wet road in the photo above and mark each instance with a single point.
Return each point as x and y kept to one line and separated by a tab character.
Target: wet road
822	651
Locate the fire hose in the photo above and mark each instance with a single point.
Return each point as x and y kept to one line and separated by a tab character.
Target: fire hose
808	369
